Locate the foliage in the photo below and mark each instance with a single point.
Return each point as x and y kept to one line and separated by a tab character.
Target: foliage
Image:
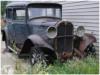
3	7
89	65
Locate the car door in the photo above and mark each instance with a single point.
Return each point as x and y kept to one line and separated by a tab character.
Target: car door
10	34
20	27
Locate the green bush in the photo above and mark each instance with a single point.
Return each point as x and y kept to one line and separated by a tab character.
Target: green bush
89	65
3	7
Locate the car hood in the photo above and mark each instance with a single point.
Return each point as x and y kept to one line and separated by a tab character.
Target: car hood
43	23
40	28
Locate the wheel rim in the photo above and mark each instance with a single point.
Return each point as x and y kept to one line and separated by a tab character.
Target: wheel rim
38	56
32	59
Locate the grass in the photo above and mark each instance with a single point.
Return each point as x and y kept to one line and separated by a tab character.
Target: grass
89	65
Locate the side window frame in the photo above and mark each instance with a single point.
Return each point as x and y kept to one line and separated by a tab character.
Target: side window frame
14	11
7	14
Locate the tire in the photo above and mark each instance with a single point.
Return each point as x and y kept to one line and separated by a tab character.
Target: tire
37	56
90	50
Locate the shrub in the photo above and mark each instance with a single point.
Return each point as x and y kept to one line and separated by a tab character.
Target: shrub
89	65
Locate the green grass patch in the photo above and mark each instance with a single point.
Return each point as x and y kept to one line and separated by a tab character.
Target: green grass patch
89	65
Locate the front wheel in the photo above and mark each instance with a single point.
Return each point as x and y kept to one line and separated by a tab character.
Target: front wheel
90	50
37	56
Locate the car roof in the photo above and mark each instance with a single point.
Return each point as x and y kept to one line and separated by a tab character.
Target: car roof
26	3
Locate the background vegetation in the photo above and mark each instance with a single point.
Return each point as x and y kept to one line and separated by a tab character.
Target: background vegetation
3	7
89	65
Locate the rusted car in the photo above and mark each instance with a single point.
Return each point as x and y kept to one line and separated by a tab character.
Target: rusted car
37	31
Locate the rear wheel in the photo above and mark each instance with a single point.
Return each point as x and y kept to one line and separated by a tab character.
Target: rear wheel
37	56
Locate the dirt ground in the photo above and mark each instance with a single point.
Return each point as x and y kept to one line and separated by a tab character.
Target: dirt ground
9	60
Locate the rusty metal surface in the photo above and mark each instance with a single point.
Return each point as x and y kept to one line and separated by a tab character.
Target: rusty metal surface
64	40
82	43
87	39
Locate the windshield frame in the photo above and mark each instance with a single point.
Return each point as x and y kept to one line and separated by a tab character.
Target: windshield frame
44	6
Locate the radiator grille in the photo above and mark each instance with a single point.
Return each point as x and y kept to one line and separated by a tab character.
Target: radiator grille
64	39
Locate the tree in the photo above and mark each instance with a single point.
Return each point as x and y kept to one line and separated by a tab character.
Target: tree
3	7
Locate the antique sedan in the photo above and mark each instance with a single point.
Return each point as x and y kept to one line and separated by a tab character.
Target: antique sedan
36	31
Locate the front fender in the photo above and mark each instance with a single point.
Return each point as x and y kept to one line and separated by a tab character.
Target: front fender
39	41
34	40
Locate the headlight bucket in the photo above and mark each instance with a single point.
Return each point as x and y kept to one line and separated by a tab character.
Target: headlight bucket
51	32
80	31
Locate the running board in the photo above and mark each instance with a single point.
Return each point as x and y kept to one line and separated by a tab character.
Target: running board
12	50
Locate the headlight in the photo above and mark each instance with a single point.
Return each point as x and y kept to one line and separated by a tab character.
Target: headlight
51	32
80	31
